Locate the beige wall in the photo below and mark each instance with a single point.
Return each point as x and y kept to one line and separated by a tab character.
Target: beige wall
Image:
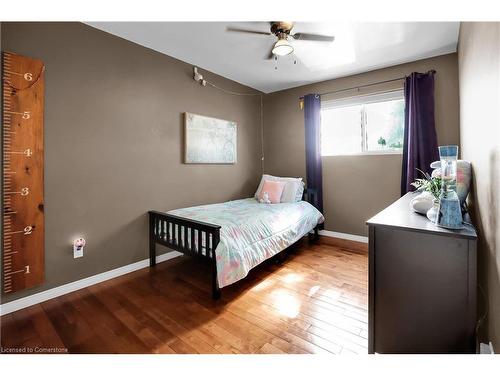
354	187
479	74
113	136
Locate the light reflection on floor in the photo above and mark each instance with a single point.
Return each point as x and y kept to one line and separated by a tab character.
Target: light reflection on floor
293	278
264	284
313	290
286	304
325	314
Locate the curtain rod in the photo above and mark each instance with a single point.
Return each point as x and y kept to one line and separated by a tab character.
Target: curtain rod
361	86
367	85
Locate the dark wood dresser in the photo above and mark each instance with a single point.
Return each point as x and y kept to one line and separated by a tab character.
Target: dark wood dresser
422	284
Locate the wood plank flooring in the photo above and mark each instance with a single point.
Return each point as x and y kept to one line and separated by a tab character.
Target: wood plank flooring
314	301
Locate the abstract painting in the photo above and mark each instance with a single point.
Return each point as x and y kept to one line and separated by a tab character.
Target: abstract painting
209	140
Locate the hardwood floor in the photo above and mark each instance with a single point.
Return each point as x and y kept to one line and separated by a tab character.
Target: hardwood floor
314	301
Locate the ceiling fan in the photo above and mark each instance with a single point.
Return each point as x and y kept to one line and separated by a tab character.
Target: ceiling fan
282	29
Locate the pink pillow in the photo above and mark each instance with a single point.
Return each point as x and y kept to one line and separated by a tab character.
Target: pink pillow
274	189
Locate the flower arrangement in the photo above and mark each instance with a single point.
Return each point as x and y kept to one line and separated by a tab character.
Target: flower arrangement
429	184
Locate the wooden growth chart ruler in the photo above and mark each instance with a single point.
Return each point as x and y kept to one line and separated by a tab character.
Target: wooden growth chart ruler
22	161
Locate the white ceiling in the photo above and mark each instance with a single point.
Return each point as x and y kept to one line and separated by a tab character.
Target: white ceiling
358	47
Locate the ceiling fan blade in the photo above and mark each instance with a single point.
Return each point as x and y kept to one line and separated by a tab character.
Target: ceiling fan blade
235	29
313	37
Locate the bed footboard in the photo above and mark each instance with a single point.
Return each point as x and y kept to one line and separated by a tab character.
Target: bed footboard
311	195
190	237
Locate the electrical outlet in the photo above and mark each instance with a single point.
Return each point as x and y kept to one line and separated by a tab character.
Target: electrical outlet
77	252
78	247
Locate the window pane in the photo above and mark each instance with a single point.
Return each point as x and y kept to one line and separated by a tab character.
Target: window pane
385	125
341	130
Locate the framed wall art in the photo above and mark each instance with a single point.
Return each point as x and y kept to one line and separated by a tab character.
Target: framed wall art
209	140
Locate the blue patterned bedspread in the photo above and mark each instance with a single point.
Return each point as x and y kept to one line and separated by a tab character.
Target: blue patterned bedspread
252	232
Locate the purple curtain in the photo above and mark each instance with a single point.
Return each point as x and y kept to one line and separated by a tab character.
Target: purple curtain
312	108
420	146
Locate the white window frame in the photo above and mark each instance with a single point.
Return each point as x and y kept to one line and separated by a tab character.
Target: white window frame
361	100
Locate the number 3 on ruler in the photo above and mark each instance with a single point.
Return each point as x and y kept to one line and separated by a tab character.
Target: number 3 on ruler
25	191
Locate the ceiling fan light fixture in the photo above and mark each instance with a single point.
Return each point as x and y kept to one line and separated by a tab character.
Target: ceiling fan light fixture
282	47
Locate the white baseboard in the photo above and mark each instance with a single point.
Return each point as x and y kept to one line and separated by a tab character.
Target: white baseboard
344	236
486	348
21	303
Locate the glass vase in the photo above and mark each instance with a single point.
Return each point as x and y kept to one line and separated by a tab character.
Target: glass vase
449	213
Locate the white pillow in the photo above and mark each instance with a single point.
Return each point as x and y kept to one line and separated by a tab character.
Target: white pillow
294	188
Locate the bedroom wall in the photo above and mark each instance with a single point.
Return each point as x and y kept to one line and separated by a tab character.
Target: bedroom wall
479	74
113	143
354	187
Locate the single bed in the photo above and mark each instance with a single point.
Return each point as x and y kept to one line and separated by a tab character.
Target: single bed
234	236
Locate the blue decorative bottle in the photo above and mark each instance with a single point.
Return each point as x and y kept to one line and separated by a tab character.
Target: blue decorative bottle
449	213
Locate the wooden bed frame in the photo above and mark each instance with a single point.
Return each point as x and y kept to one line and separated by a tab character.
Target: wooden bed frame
172	232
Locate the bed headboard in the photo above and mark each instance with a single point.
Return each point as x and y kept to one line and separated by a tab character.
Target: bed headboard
311	195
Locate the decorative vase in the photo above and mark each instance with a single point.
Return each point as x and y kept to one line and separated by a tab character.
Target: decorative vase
464	177
449	212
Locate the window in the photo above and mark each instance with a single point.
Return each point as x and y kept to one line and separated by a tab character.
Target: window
371	124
